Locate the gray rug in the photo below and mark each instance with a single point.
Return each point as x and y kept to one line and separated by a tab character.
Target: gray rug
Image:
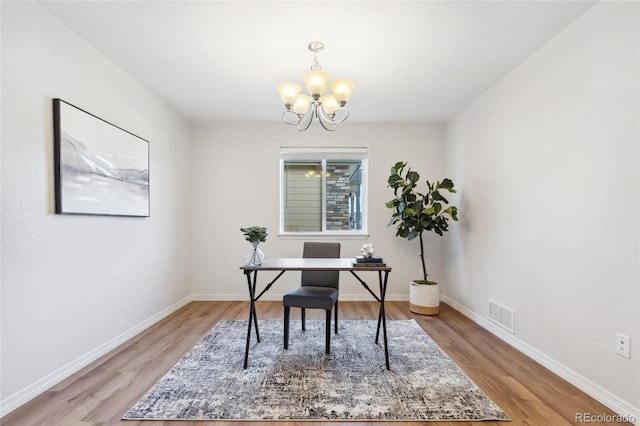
303	383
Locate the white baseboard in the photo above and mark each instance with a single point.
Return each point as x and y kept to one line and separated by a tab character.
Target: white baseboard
353	297
25	395
624	409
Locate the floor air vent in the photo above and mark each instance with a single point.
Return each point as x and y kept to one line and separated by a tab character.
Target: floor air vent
502	316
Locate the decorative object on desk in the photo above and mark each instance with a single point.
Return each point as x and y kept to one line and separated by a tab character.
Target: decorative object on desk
255	257
367	258
100	169
367	250
255	235
368	261
414	213
302	383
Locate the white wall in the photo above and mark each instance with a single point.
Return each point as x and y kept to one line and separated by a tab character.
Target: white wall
547	160
72	283
237	184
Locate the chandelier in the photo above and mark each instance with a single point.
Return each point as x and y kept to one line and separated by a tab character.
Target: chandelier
302	109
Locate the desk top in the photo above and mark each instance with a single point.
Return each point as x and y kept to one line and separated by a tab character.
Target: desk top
309	264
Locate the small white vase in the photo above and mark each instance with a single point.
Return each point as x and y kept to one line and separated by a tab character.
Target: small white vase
255	257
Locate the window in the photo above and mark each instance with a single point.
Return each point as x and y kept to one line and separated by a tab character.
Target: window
323	191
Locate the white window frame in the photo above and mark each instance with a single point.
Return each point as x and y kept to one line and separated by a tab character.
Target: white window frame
324	154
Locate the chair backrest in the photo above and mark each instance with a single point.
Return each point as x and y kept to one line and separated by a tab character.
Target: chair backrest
321	278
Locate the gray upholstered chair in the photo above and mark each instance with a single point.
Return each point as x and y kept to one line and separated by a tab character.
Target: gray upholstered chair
318	290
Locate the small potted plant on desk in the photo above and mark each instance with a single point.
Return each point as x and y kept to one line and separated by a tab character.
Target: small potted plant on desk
255	235
414	213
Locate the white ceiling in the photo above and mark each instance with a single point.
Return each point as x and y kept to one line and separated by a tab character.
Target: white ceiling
415	61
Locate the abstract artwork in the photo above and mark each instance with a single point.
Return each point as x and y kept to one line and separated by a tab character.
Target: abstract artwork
100	168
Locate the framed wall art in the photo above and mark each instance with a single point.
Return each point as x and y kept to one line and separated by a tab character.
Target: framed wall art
100	169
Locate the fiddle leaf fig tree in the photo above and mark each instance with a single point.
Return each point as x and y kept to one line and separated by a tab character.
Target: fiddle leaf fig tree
415	212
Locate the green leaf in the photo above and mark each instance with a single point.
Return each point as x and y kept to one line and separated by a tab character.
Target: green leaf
395	180
446	183
398	167
413	177
407	191
428	211
436	196
402	232
453	211
437	207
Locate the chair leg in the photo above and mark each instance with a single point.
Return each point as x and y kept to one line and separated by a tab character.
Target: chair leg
287	311
336	319
303	318
328	332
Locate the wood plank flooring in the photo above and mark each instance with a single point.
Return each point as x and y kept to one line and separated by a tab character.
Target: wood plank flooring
103	391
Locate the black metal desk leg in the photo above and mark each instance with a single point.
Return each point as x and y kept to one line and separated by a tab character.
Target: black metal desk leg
383	314
252	312
380	309
253	304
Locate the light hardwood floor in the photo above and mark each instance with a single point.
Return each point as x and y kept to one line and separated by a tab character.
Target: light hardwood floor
103	391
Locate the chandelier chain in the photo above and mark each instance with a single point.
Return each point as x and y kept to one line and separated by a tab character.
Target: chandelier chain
315	47
316	65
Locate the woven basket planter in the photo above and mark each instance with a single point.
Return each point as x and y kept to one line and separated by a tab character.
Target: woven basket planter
424	299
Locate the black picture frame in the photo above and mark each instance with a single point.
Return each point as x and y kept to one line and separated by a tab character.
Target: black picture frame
100	168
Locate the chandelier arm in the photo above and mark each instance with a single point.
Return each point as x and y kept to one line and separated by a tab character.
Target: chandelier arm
346	115
285	115
305	122
324	121
304	125
322	114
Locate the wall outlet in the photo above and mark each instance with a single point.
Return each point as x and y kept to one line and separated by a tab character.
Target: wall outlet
623	345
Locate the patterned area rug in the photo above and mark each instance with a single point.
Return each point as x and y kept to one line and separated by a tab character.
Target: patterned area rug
302	383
